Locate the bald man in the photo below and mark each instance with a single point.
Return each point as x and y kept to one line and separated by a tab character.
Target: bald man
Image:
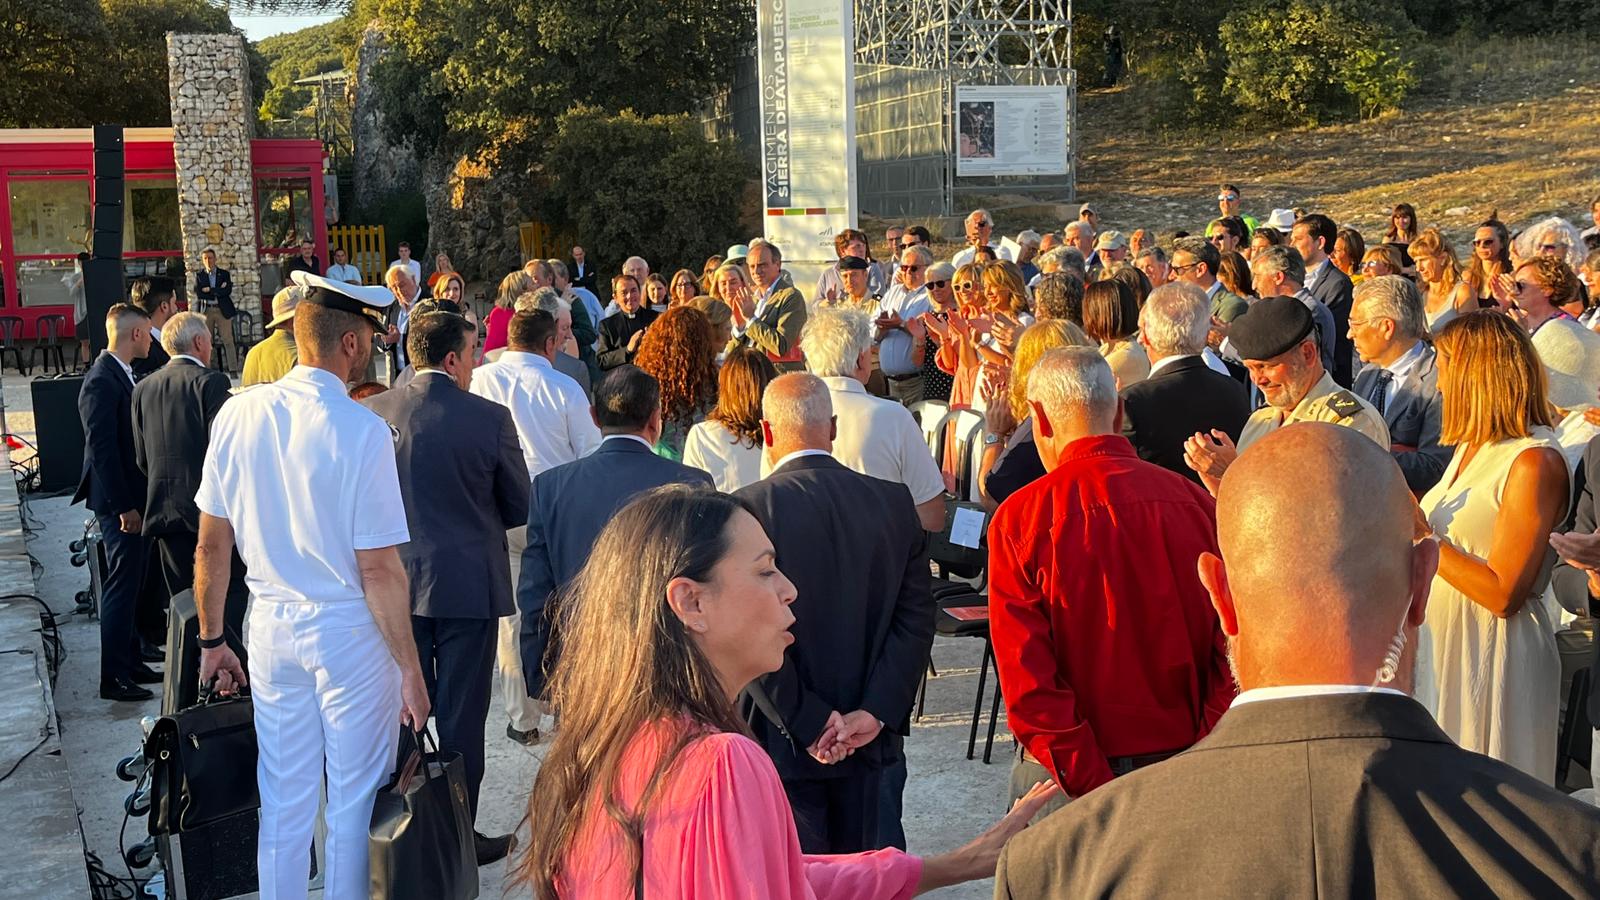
1324	778
857	553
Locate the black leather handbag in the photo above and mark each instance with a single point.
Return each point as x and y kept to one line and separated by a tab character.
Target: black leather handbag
420	844
202	763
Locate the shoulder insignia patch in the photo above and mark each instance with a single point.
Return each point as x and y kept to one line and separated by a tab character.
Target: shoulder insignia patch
1344	403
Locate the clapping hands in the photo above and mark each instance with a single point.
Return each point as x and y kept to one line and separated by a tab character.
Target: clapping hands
843	735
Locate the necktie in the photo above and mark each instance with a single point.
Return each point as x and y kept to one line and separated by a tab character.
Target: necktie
1380	390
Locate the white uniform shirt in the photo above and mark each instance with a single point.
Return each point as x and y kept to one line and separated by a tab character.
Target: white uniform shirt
550	410
332	488
879	437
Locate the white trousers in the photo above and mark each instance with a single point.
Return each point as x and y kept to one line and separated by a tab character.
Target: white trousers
327	703
521	709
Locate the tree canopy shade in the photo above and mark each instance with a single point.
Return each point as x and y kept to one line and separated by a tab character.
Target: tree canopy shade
69	63
460	74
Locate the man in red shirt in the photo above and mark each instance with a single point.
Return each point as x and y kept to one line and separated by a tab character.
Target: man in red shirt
1109	651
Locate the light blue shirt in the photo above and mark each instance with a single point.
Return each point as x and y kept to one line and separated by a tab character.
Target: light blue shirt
896	349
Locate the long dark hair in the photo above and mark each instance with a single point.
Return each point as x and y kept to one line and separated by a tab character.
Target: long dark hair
1394	235
627	662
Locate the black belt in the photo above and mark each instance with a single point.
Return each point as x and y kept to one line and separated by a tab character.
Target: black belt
1121	765
903	377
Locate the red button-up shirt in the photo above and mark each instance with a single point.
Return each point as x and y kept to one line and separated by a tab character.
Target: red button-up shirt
1106	642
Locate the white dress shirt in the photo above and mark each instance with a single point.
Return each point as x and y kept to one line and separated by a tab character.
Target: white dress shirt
1286	691
348	273
414	266
730	461
334	488
880	438
550	410
897	347
127	369
809	451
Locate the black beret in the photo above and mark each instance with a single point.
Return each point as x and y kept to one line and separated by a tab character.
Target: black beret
1271	327
431	305
852	262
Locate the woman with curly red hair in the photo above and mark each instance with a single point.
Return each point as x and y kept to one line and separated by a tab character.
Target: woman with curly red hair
679	350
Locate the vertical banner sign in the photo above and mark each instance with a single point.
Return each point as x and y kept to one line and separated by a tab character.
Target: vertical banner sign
808	153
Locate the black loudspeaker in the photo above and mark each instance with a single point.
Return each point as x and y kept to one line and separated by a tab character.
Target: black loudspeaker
102	277
60	432
219	860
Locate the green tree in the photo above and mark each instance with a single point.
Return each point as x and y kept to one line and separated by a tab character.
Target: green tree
52	50
328	47
653	185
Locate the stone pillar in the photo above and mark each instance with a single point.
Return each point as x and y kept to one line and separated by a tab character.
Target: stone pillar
213	121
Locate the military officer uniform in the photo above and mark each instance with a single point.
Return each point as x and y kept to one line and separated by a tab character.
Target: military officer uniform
1275	326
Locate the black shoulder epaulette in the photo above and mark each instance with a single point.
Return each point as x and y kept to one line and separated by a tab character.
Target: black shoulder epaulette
1344	403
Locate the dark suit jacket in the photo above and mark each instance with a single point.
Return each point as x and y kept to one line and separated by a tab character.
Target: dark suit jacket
570	505
172	413
152	362
588	279
615	332
1166	409
112	483
857	554
1334	289
1355	795
464	482
1570	583
1413	419
222	297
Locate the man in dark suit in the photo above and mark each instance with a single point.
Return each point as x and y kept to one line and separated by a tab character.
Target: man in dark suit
572	502
1313	236
156	296
621	331
857	553
1576	577
464	483
213	292
114	490
1182	395
582	269
1324	778
1401	377
172	413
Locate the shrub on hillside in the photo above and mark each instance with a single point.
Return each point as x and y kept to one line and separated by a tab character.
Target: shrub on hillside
1302	62
653	186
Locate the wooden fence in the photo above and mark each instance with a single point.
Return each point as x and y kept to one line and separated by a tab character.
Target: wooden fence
365	246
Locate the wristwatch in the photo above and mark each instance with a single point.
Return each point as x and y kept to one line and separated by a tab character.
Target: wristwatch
990	438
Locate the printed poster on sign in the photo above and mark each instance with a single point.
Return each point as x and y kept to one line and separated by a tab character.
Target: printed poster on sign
1011	130
808	160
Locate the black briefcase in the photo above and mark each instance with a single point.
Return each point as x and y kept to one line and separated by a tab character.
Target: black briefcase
202	763
420	844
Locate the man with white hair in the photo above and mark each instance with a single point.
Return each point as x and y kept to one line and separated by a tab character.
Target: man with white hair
876	437
857	553
1280	272
172	413
1400	377
1182	395
1103	539
407	291
1027	251
979	226
899	331
1080	237
566	358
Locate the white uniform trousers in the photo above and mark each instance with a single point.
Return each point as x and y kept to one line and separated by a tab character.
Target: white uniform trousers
327	702
521	710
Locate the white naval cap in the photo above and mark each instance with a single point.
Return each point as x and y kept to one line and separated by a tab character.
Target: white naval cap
367	301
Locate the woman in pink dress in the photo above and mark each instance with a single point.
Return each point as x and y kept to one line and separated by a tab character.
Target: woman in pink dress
652	787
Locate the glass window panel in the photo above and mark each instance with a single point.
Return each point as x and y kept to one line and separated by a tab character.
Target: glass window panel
49	217
284	205
49	282
150	216
170	266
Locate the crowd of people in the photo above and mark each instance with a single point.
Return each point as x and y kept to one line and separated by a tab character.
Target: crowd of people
1314	506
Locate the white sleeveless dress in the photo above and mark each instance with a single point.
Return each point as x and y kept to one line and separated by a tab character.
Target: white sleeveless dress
1491	683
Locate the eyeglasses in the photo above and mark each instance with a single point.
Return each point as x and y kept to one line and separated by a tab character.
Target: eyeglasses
939	285
1552	248
1178	270
965	286
907	245
906	268
1370	264
1486	242
1228	197
1217	238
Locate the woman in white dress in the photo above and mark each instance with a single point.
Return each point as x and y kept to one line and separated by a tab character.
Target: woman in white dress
1487	664
728	443
1444	294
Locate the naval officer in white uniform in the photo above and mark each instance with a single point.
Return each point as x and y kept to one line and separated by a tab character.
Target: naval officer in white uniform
333	664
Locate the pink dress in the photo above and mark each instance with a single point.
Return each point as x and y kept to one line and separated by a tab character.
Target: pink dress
496	326
720	826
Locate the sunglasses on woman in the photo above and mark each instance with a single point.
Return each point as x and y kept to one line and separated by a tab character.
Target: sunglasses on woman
939	285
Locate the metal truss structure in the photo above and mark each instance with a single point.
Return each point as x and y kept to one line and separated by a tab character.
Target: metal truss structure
910	56
283	7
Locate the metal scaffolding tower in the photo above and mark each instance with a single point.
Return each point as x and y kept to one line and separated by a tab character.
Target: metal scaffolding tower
911	55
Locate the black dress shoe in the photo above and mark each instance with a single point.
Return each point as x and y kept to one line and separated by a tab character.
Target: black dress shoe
145	675
152	654
525	738
493	849
122	690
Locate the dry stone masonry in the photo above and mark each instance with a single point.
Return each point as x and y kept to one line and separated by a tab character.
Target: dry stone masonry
212	124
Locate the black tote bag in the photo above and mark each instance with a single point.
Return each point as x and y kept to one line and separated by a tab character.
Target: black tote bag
202	764
420	843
